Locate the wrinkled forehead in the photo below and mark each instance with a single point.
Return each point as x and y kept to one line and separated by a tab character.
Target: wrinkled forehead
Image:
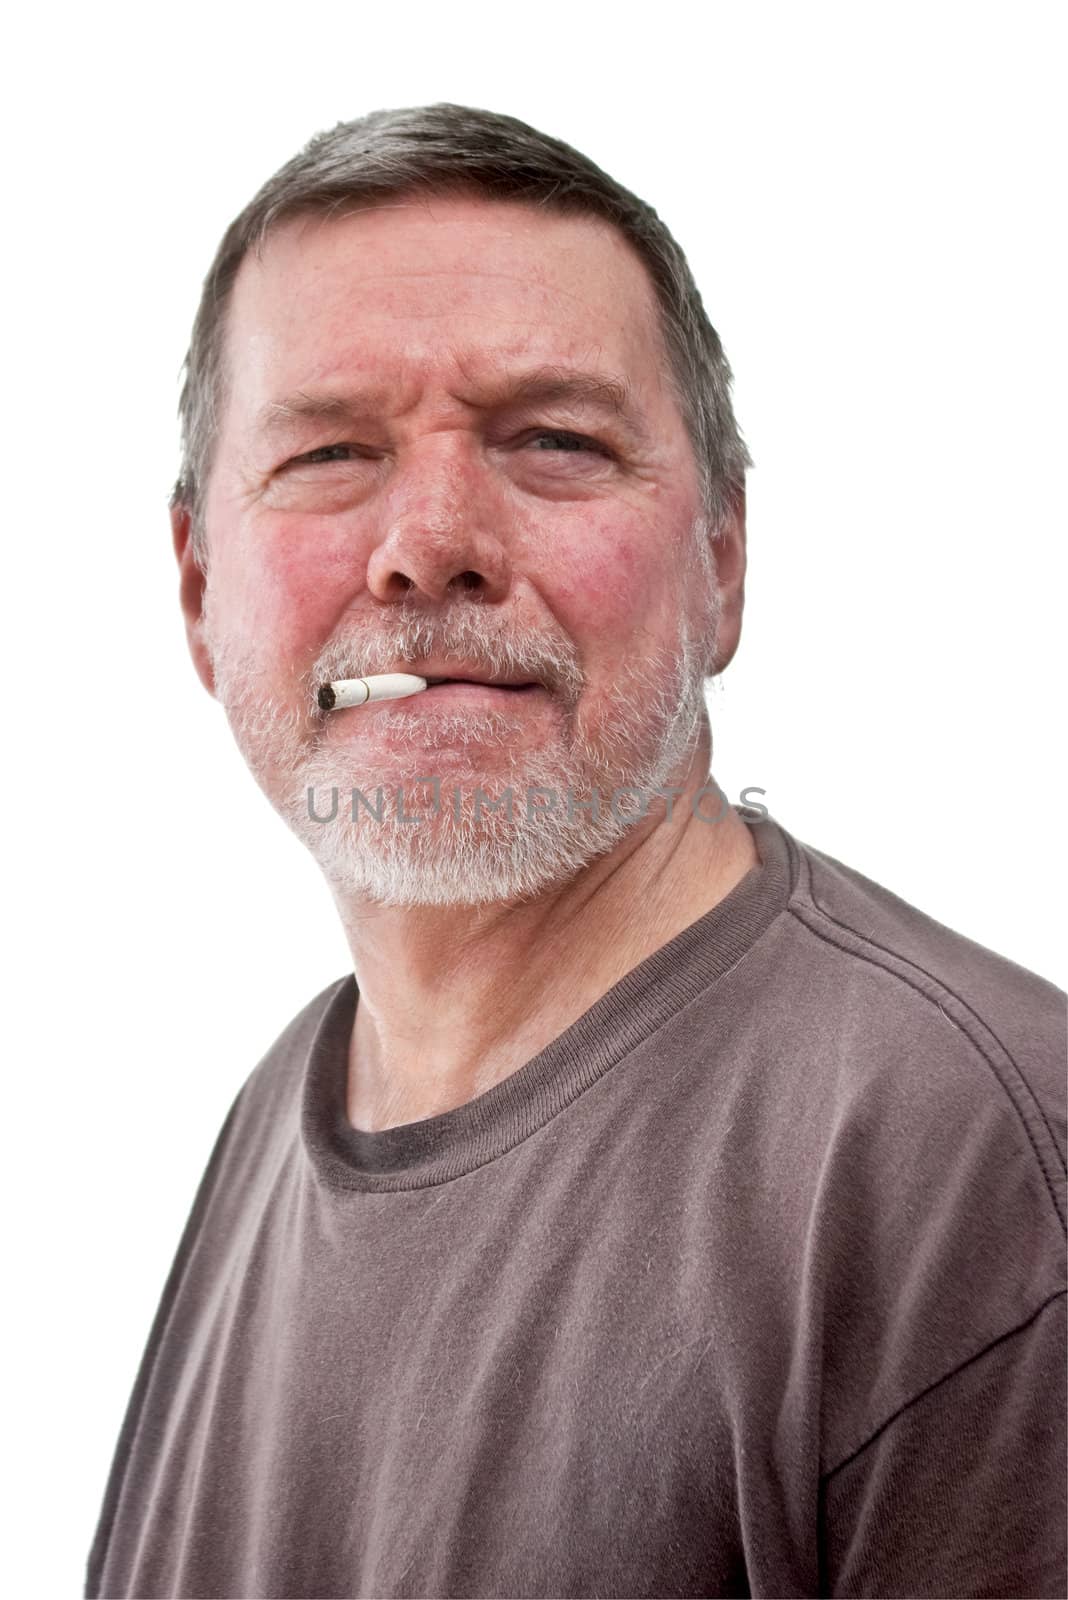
440	292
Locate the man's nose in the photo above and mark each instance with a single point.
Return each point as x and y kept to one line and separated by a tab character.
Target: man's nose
442	534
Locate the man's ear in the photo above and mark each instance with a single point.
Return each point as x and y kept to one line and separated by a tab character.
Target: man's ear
728	547
191	593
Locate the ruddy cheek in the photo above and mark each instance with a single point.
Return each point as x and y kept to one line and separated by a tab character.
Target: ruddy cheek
298	590
606	593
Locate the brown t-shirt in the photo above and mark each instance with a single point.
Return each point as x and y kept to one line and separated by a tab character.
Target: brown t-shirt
751	1283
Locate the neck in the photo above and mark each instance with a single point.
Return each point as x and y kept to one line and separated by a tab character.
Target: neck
454	999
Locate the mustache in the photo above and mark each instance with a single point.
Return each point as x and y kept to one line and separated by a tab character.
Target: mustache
403	643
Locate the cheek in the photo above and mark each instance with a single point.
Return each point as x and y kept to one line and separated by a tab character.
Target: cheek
621	599
609	592
295	587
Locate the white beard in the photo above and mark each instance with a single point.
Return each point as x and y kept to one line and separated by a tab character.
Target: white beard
647	724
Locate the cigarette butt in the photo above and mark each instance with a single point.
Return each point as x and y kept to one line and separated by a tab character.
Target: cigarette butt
360	691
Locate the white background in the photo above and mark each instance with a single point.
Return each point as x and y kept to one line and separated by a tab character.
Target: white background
869	198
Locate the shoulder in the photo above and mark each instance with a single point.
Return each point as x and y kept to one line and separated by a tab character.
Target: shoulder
903	981
928	1114
280	1070
263	1122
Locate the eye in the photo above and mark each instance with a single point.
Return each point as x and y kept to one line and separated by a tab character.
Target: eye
560	441
571	440
324	453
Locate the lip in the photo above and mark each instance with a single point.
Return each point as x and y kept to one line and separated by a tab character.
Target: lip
461	670
475	693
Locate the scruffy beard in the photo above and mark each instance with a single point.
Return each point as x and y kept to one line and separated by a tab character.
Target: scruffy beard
461	851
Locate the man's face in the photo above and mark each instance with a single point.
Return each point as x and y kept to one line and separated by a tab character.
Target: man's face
451	516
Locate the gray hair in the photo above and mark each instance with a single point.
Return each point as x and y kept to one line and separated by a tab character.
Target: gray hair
449	149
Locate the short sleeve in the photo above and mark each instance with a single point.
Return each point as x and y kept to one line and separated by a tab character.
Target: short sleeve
965	1491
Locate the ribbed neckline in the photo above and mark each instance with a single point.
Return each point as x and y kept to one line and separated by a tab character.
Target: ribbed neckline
420	1154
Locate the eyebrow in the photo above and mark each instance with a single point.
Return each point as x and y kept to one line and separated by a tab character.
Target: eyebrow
583	390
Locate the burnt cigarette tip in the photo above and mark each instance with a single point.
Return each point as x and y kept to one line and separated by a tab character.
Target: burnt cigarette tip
327	698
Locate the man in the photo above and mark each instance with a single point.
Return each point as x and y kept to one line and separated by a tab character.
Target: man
658	1207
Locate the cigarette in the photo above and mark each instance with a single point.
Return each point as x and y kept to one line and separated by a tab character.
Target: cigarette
360	691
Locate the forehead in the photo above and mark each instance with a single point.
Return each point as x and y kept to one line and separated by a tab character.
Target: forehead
439	289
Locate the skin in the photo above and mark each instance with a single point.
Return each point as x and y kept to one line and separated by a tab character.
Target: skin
584	549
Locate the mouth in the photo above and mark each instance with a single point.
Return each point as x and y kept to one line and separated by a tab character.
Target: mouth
477	683
471	693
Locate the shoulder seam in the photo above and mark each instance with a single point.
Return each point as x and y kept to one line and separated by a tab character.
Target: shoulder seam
946	1377
972	1040
961	1022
